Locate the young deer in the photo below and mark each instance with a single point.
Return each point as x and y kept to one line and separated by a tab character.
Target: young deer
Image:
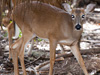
46	21
12	31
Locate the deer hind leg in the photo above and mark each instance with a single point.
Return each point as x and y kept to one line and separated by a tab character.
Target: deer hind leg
53	44
76	52
15	47
10	34
21	53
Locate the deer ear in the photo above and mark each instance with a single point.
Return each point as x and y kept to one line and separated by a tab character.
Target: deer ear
89	8
67	7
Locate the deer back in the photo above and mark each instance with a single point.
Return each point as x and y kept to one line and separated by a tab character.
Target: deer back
43	19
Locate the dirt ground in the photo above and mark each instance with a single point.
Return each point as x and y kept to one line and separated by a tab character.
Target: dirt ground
68	66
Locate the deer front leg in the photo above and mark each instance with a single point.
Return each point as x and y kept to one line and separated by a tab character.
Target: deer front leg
53	45
21	57
76	52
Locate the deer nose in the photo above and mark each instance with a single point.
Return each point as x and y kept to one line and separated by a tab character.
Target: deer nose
78	26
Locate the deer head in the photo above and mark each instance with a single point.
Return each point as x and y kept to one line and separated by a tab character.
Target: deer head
78	14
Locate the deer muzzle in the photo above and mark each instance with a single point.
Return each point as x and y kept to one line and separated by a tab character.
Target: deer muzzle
78	27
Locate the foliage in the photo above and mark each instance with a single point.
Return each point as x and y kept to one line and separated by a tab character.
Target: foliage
10	21
20	34
39	39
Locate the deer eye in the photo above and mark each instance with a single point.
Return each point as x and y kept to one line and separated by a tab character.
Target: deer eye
83	16
73	16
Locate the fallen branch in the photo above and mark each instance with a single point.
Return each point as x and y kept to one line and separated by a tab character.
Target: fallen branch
33	61
91	41
44	64
83	52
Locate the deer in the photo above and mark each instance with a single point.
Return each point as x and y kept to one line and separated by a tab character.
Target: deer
49	22
13	30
